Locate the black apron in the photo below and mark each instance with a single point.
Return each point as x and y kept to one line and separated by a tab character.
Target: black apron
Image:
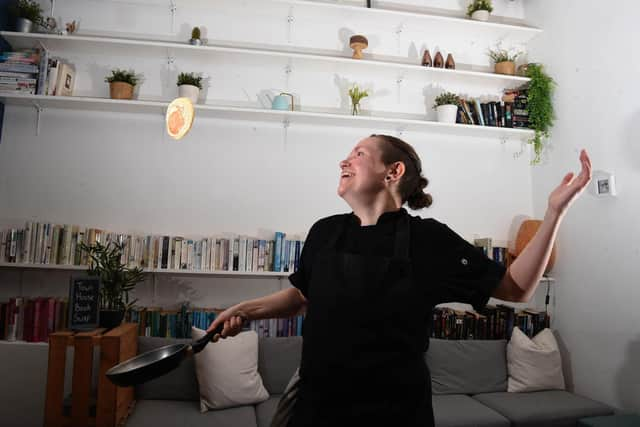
365	333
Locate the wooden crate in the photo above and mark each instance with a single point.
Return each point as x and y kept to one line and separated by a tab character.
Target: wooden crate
112	402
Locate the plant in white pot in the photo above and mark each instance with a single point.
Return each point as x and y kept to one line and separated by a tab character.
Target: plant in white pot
446	105
504	60
479	10
27	13
117	280
189	86
195	37
121	83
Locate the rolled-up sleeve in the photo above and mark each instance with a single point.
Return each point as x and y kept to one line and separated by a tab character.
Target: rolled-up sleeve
301	278
467	274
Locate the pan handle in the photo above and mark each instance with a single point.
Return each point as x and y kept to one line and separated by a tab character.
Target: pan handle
198	345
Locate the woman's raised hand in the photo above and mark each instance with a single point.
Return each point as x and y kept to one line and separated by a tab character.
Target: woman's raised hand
571	186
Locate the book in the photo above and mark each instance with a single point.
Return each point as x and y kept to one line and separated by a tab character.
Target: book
479	111
485	244
66	80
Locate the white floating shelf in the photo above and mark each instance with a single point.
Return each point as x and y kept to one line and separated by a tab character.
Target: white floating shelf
257	274
496	27
264	115
93	43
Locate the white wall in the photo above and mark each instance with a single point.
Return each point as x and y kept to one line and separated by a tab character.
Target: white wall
590	50
119	171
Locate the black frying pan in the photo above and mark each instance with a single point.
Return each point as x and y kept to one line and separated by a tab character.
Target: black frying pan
156	362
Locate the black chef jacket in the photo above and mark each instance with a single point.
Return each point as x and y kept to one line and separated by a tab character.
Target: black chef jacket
444	268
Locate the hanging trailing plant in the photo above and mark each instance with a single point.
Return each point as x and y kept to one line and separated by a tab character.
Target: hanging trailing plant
540	107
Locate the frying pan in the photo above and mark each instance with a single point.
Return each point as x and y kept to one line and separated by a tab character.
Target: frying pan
157	362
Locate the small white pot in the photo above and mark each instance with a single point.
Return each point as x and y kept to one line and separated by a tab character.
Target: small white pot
447	113
480	15
189	91
24	25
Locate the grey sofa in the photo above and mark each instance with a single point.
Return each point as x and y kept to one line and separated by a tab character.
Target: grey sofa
469	381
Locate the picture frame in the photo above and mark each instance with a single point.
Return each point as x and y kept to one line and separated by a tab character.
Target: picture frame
84	302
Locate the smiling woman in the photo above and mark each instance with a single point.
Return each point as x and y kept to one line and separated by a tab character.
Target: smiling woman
378	153
369	281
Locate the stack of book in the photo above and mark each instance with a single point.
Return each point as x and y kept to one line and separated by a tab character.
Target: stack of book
519	98
19	71
491	113
33	71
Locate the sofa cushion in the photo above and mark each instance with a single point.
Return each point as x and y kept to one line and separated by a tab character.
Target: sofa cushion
534	364
557	408
179	384
467	366
459	410
266	410
171	413
227	371
278	359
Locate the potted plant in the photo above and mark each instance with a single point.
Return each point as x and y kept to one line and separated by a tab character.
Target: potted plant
479	10
446	105
27	13
356	95
539	106
505	61
117	280
121	83
195	37
189	86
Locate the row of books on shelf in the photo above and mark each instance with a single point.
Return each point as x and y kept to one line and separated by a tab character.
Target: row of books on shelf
53	244
33	71
510	112
33	319
492	323
156	322
499	254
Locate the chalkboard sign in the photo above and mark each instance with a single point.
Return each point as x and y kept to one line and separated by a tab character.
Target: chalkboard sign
84	303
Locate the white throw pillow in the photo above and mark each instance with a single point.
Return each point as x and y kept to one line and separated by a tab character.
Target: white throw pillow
227	371
534	364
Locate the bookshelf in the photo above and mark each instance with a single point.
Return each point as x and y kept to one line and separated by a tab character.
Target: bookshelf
154	271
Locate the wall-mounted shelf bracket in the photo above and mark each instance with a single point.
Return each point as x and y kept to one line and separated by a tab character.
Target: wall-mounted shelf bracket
38	111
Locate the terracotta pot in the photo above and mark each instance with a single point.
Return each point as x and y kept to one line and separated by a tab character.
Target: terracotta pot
526	232
120	90
506	67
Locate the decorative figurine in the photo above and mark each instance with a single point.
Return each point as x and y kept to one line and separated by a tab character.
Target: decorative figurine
438	61
358	43
450	63
426	59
